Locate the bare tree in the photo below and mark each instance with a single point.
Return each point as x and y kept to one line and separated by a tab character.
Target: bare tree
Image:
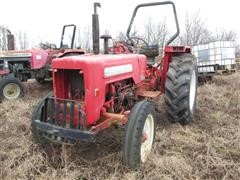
22	41
134	32
3	38
78	42
195	30
121	36
224	35
87	39
156	33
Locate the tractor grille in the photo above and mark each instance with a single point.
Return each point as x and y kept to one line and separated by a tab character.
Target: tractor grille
61	112
63	121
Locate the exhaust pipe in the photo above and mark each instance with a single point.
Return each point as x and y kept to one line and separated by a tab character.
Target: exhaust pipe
95	29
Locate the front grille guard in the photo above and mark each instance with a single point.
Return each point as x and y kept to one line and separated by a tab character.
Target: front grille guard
52	105
57	121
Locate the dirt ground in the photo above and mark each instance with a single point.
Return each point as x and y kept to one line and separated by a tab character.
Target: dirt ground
208	148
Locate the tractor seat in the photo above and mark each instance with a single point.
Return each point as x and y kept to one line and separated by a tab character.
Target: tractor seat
151	52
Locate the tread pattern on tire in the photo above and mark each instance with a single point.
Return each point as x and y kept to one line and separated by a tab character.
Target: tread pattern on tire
133	134
177	88
37	136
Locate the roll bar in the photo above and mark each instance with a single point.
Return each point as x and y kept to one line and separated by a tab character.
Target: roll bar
156	4
73	34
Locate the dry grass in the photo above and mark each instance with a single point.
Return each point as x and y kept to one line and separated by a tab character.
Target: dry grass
208	148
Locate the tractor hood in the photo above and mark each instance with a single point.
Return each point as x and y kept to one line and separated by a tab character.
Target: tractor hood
37	54
106	66
78	62
16	54
36	57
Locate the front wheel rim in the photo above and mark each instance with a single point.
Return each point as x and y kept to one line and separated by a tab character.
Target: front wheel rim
192	93
147	138
11	91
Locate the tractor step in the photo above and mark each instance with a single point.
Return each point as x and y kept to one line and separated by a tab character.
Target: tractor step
150	94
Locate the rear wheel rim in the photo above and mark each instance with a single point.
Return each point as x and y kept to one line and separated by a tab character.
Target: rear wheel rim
192	93
147	138
11	91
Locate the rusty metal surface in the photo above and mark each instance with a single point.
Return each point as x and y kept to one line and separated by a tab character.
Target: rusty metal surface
109	120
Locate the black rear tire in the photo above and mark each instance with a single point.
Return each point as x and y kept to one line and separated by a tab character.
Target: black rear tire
181	88
133	153
11	88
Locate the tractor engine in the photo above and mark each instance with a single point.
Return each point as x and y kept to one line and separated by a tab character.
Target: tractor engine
122	94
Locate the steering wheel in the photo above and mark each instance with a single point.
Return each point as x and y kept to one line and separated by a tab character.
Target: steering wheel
135	42
47	46
44	46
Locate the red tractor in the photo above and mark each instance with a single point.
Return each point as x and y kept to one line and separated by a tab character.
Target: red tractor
19	66
97	91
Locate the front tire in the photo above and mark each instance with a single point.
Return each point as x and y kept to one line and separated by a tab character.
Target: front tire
36	134
181	88
139	134
11	88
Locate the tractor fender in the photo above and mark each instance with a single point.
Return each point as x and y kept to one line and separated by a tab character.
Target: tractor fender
4	72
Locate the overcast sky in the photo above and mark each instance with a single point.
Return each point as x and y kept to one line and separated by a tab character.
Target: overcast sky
43	19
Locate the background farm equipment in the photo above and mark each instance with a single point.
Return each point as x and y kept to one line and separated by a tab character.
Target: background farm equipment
238	63
95	92
215	58
17	67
